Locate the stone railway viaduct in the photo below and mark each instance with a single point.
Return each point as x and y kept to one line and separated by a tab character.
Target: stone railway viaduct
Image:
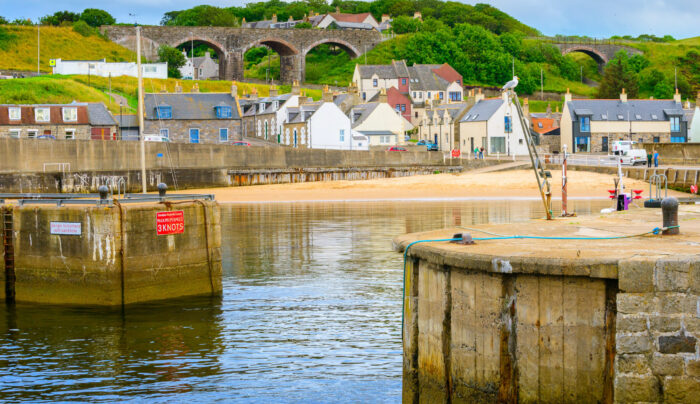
230	44
602	53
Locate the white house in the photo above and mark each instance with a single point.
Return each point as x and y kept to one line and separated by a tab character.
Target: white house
694	127
380	123
324	21
104	69
319	125
493	124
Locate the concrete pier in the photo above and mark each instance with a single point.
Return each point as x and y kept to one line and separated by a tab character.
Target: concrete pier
555	321
111	255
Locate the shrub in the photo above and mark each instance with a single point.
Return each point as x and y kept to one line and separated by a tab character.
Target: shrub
83	28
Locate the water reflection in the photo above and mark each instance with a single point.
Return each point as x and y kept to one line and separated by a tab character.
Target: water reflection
310	313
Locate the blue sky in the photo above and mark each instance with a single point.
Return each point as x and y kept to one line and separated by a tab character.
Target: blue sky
596	18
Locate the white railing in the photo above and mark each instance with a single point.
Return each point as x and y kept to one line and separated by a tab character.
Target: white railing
582	160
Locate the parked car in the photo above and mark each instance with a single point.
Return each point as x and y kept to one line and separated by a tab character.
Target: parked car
49	137
428	144
634	157
396	148
240	143
155	138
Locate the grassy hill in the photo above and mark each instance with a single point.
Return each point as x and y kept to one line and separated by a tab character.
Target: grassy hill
18	47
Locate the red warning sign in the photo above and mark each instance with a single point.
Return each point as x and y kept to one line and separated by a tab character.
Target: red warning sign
172	222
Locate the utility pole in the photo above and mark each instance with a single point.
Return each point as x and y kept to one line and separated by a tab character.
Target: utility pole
110	88
675	78
541	84
192	53
142	143
38	48
513	67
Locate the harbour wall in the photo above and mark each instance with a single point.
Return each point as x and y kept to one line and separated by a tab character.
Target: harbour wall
31	165
111	256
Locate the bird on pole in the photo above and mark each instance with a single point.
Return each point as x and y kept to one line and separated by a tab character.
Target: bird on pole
511	84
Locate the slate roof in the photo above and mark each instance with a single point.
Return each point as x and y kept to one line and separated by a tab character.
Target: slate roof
423	78
352	25
302	113
359	113
127	121
482	110
455	111
190	106
99	115
616	110
382	71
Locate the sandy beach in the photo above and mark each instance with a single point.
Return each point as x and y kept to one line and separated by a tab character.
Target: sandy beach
515	184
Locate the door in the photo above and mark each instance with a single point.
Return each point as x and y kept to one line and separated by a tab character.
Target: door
295	138
194	135
605	144
435	139
100	134
471	144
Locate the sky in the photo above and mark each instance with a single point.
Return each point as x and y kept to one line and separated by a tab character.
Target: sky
594	18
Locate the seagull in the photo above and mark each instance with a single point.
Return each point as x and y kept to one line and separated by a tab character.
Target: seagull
511	84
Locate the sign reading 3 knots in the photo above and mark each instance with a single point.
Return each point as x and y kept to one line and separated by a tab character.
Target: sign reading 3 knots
172	222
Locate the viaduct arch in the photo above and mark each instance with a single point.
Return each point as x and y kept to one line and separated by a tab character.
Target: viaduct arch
230	44
602	53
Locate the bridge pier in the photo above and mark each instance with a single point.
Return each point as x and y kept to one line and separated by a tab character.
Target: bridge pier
233	67
292	68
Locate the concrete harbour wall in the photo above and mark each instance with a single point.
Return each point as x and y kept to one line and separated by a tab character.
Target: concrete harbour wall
117	257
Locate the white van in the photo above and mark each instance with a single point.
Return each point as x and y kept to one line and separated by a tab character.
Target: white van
634	156
619	147
155	138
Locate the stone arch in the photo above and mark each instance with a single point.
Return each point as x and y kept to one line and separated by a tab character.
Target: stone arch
149	47
282	47
291	66
595	54
218	48
344	45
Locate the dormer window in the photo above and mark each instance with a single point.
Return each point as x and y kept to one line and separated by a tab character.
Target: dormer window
15	114
223	112
375	82
164	112
42	114
262	107
276	105
70	114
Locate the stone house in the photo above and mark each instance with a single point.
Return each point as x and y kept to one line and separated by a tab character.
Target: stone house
379	123
493	124
344	20
200	68
592	125
440	125
57	121
317	125
261	118
193	117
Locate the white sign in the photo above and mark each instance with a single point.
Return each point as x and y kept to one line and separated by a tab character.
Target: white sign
66	228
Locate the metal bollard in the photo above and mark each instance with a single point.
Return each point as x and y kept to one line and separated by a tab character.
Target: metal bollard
669	210
162	188
104	191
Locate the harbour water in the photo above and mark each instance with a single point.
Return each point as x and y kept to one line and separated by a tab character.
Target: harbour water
311	312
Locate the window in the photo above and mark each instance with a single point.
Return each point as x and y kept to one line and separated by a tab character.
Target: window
508	121
32	133
398	107
70	134
440	95
223	112
15	114
165	133
266	135
403	107
428	94
675	124
498	144
677	139
375	82
585	124
149	69
261	107
342	135
403	82
42	114
15	133
539	125
70	114
455	96
414	94
164	112
296	138
223	135
194	135
364	96
656	139
583	144
520	141
416	114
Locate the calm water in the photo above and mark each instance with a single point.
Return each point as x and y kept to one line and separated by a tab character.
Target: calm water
311	312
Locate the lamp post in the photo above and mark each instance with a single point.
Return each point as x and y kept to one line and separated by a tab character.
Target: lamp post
192	53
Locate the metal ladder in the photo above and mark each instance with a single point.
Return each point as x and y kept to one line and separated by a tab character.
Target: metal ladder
538	166
8	230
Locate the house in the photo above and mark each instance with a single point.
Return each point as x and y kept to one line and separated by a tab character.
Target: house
435	82
441	125
493	124
694	128
128	127
370	79
317	125
385	24
200	68
381	124
364	20
104	69
261	117
57	121
271	24
592	125
193	117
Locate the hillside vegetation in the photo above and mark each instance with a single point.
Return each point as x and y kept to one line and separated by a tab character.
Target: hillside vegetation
18	47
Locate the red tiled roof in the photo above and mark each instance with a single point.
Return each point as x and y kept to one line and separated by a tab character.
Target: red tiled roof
448	73
350	17
547	125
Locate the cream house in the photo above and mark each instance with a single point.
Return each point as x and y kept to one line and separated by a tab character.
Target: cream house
440	125
381	124
592	125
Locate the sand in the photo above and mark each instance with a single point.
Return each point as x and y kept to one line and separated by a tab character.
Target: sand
515	184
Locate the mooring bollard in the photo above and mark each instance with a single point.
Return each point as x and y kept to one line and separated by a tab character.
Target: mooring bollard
162	189
104	191
669	210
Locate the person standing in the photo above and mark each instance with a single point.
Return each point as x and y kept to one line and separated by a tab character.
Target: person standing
649	159
656	158
481	153
476	153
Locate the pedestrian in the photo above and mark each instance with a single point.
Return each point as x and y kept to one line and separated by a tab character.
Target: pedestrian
481	153
649	159
656	158
476	153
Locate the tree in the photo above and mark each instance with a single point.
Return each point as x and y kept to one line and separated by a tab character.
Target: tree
618	75
403	24
95	17
174	58
83	28
204	16
3	21
59	18
663	90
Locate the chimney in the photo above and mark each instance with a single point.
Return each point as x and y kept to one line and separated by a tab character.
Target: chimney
296	90
549	110
195	88
479	96
273	91
254	93
526	107
207	55
274	17
623	96
557	109
567	96
385	17
418	16
234	89
382	96
470	98
327	95
697	100
243	22
290	19
337	9
687	104
677	97
178	87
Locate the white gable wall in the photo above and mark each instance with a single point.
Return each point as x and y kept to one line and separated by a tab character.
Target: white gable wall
325	127
515	141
